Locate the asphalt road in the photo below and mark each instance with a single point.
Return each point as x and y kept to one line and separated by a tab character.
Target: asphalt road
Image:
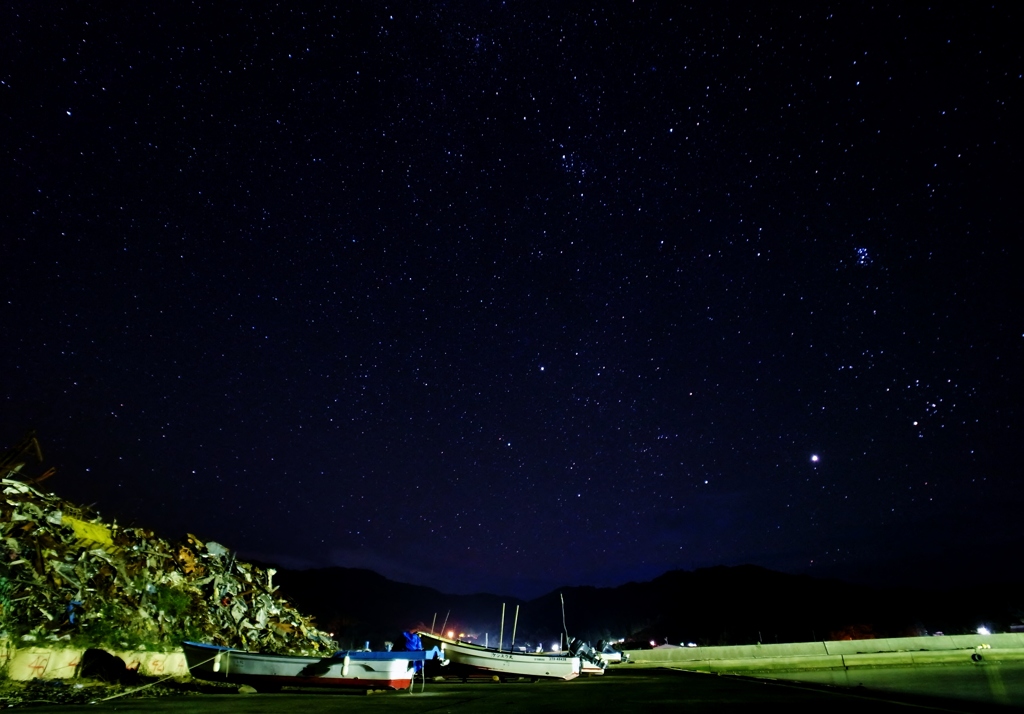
641	691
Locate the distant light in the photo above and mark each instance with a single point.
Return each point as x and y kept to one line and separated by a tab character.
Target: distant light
451	634
814	458
653	643
555	647
691	644
983	631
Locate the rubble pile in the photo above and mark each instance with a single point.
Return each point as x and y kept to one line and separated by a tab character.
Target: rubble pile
65	575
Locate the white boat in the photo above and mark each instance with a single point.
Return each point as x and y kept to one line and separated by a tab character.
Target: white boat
466	660
270	672
610	655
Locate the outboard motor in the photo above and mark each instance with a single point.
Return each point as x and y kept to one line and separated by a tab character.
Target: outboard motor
584	651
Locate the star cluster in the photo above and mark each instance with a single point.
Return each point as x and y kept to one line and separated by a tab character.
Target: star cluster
505	296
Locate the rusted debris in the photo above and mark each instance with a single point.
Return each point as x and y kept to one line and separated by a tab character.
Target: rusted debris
14	459
66	575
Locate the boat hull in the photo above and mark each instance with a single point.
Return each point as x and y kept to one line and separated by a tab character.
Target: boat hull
468	660
360	670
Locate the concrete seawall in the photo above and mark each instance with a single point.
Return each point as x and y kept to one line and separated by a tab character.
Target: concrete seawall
62	663
841	654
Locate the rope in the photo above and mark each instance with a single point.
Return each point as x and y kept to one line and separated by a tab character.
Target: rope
146	686
412	685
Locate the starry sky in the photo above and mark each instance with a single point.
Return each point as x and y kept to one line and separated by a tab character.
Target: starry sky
510	295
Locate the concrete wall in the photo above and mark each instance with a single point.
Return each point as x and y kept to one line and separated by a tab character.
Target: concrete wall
57	663
61	663
836	655
1009	640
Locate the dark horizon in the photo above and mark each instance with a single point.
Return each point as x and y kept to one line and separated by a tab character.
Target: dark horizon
723	605
894	577
502	297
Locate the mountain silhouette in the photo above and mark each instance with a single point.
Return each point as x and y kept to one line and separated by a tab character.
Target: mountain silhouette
710	606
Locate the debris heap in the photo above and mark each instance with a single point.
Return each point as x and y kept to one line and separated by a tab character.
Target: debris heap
65	575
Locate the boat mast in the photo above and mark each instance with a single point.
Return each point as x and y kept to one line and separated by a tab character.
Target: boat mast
515	622
564	628
501	634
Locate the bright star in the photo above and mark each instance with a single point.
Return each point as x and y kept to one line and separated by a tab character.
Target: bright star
814	458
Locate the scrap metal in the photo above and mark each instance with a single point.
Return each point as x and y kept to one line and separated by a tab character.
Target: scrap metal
68	576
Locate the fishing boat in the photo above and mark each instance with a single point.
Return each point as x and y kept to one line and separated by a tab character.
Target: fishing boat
269	672
467	660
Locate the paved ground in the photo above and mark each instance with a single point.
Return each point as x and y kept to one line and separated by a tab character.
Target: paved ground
1001	683
639	691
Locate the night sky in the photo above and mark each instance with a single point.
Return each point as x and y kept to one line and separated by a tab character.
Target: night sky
511	295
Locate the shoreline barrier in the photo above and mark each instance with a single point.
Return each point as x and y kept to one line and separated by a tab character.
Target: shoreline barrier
22	664
839	654
27	663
